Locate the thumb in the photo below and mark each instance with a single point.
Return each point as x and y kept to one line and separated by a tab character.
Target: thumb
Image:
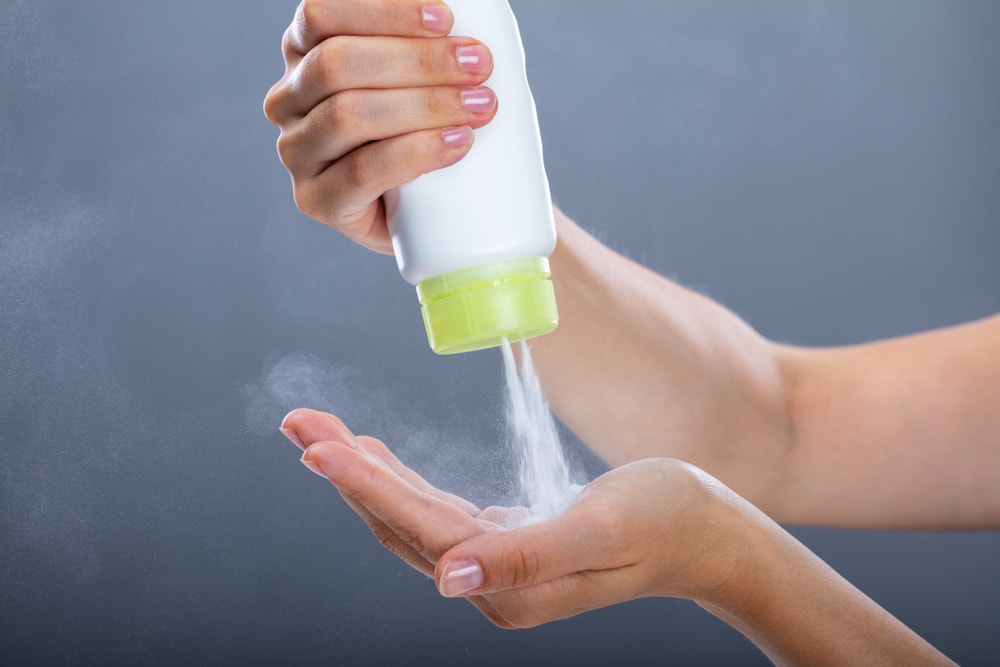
524	556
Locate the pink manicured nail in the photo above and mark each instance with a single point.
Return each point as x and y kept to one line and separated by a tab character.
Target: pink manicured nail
473	59
437	18
314	467
478	100
461	577
457	136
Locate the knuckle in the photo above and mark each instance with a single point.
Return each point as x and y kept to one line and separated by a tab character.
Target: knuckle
443	103
311	13
412	540
287	148
270	107
521	566
305	198
385	537
274	103
358	170
424	153
288	40
434	56
369	474
343	115
392	542
331	59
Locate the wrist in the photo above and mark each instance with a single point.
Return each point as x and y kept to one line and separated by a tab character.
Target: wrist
720	534
748	558
798	610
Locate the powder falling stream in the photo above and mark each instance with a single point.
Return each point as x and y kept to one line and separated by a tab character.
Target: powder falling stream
547	487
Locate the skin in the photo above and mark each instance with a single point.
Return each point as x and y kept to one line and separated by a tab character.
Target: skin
651	527
901	433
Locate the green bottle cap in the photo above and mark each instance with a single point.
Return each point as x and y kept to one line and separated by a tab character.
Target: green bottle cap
477	308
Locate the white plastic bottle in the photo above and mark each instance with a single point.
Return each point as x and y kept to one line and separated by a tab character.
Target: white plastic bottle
475	237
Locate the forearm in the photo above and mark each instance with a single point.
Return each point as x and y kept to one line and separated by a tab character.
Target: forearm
640	355
799	611
900	433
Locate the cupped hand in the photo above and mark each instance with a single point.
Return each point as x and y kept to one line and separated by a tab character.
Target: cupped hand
654	527
375	93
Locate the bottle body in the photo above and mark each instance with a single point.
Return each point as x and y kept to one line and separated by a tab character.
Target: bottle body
478	234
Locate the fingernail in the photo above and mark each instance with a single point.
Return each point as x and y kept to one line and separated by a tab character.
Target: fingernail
437	18
312	465
293	436
478	100
473	59
457	136
290	433
461	577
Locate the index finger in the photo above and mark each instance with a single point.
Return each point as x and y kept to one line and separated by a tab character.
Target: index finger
318	20
424	522
306	427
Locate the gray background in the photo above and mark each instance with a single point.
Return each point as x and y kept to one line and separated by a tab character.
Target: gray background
829	170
